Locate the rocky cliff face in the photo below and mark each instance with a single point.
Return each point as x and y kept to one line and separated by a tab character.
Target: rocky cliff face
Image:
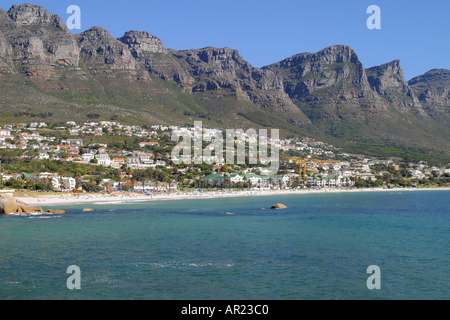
33	15
306	73
225	71
38	40
331	83
142	43
433	91
151	55
98	48
389	81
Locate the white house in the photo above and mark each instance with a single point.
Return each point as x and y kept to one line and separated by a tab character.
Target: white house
44	156
5	132
417	174
103	159
68	183
87	157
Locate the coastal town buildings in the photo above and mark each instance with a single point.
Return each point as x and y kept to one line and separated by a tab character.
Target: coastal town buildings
152	148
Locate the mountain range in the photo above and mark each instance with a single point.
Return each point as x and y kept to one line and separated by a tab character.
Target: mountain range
48	73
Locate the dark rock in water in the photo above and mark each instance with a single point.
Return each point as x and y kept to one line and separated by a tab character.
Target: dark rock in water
55	211
279	206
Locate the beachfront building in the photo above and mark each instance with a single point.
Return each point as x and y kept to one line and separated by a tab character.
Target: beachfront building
330	181
256	181
53	178
214	180
268	182
68	183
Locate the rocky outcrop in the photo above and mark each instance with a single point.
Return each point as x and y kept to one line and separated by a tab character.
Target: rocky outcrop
13	206
99	48
55	211
34	15
142	43
5	52
433	91
225	71
331	83
35	33
305	73
279	206
389	81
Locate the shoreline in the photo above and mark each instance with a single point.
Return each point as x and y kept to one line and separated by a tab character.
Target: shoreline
44	201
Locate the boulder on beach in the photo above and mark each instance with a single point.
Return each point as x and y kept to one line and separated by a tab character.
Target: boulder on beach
87	209
29	210
279	206
13	206
9	205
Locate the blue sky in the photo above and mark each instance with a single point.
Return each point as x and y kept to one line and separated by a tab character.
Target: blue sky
265	32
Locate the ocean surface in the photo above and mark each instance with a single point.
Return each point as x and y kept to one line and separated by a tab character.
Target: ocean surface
318	248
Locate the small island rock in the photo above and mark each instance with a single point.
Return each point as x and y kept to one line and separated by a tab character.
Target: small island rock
279	206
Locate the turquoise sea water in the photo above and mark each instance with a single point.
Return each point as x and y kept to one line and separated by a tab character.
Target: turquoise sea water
319	248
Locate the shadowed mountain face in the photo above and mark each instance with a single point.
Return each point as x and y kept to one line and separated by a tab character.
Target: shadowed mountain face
328	94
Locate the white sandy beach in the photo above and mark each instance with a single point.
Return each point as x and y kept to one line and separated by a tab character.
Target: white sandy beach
45	201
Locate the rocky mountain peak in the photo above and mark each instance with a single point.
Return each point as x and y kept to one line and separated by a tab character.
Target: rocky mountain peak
95	34
142	42
30	14
217	56
433	91
389	81
389	76
99	47
435	75
335	66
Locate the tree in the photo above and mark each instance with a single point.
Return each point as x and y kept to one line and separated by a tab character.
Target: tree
142	176
91	187
79	182
271	183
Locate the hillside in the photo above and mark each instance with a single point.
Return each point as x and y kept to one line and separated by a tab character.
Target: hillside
48	73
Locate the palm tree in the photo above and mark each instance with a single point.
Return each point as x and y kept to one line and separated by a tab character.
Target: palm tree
78	179
168	181
119	179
